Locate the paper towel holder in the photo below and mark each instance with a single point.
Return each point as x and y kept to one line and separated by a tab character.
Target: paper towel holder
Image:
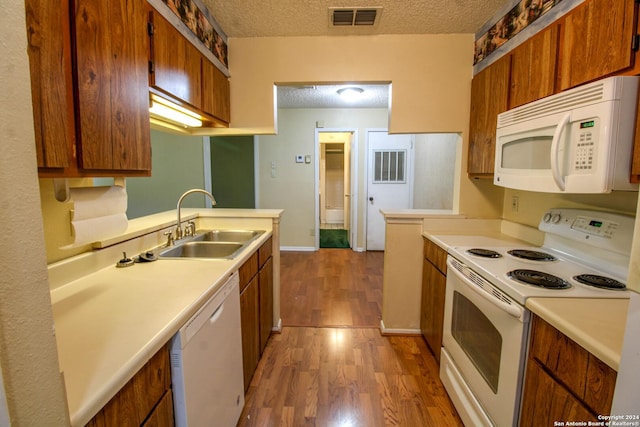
61	187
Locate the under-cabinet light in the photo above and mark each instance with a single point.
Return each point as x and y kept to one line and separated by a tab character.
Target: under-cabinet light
173	112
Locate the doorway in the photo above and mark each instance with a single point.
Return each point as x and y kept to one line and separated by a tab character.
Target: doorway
334	180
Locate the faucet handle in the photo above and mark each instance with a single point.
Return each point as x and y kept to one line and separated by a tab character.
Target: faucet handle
170	239
190	229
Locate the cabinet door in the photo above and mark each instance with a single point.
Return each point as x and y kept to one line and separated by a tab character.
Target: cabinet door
546	400
249	317
111	50
176	67
162	415
215	92
489	97
597	39
151	382
533	68
265	278
49	49
432	309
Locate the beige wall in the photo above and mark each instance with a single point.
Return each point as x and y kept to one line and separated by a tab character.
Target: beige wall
293	187
28	357
532	205
430	75
430	79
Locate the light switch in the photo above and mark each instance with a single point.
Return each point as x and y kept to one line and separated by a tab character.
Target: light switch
307	158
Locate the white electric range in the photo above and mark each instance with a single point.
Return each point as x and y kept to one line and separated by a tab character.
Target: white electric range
585	254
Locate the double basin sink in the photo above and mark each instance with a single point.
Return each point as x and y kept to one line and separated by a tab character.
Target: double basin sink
212	244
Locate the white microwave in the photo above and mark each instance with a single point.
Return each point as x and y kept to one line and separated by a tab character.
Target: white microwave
576	141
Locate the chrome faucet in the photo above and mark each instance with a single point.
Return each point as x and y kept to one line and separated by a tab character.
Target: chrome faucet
179	232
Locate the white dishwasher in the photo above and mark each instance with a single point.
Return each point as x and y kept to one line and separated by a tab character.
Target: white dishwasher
206	363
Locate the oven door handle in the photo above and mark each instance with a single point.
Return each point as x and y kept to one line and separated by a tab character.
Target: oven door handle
515	311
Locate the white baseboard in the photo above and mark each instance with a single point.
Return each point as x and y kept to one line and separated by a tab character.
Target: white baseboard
297	249
310	249
277	327
392	331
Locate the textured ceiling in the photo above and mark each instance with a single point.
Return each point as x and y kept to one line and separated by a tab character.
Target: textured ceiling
326	96
271	18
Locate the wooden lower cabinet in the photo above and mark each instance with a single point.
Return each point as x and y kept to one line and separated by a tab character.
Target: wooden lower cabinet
162	416
547	400
434	281
256	307
563	380
265	281
145	400
250	331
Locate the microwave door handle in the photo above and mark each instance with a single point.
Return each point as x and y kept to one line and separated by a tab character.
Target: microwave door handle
555	151
506	307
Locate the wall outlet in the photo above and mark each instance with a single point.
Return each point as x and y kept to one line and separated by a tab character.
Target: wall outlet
299	158
514	203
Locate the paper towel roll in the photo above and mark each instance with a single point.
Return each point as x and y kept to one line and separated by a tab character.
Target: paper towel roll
98	213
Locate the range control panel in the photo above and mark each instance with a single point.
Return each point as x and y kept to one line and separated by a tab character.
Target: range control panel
598	227
604	230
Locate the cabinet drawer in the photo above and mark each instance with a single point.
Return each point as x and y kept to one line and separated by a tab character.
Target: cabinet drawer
264	253
436	255
563	358
248	270
583	374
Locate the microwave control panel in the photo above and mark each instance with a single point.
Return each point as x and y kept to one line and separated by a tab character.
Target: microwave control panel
585	146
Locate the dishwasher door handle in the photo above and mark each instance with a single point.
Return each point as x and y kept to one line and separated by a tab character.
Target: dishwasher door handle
216	314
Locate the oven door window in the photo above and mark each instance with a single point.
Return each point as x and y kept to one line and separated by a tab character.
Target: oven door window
478	338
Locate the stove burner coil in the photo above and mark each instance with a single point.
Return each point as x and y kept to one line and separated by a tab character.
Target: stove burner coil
601	282
532	255
539	279
484	253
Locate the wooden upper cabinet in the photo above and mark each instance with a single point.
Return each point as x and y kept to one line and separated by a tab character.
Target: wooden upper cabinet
533	67
49	49
215	92
88	63
112	85
176	69
597	41
489	97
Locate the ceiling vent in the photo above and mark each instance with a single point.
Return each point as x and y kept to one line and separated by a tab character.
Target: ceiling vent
353	17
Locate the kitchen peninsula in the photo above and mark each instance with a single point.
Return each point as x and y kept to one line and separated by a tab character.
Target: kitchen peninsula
110	321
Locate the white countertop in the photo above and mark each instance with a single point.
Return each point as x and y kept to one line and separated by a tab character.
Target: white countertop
110	322
597	325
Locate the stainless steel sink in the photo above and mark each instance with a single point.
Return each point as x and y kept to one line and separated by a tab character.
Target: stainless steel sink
198	249
235	236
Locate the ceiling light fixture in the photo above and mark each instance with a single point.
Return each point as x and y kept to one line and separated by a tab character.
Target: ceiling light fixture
173	113
351	93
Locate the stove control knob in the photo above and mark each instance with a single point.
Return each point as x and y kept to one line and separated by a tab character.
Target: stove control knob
556	218
546	217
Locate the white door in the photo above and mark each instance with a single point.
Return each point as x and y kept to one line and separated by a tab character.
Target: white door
389	181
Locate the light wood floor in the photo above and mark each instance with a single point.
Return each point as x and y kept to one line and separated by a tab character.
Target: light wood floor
347	373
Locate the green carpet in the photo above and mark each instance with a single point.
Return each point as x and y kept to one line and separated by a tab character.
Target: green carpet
334	239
